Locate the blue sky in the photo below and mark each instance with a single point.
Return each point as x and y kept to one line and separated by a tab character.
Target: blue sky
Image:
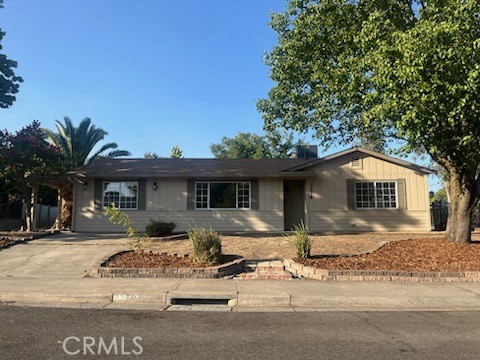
154	74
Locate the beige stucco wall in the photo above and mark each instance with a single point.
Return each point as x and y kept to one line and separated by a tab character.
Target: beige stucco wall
327	210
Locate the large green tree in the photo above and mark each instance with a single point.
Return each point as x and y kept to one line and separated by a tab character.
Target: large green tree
407	70
23	154
246	145
9	82
242	145
77	143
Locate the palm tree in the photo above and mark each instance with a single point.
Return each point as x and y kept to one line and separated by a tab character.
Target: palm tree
77	143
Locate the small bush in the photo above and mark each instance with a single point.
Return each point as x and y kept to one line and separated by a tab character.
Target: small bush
159	228
116	216
207	247
302	241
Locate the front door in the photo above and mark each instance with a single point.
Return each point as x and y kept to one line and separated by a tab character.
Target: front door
293	202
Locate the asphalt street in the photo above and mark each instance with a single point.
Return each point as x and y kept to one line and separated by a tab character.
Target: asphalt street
48	333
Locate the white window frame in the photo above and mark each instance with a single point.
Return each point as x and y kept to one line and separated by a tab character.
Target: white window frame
375	189
236	195
123	181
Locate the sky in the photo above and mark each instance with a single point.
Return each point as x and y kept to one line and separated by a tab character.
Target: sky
153	73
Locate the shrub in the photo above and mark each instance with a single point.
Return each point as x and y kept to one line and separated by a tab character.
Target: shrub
115	216
159	228
302	241
207	247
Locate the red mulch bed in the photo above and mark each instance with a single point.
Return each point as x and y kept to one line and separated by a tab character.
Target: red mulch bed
408	255
146	259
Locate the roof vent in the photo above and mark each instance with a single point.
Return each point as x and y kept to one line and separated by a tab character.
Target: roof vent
304	152
357	161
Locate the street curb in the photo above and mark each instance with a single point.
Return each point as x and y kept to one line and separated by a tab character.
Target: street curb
56	298
160	298
244	302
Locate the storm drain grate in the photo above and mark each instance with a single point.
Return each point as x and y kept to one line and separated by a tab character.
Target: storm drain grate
200	304
198	301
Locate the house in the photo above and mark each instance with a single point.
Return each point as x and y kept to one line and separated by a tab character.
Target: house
352	190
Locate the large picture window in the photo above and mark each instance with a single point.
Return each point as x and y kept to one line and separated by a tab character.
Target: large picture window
124	194
222	195
376	195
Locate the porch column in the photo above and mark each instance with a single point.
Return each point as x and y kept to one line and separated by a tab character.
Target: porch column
33	212
58	220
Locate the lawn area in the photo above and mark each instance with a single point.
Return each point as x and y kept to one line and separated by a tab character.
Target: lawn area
257	246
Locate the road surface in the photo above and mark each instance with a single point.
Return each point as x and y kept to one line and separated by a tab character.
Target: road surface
47	333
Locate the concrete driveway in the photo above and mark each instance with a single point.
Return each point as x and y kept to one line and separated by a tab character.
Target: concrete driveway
66	255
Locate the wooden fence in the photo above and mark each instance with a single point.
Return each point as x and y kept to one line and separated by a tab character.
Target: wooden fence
12	216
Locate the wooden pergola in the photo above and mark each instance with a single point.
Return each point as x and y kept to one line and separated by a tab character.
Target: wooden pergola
62	183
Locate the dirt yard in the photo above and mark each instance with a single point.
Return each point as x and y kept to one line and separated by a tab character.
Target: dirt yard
281	247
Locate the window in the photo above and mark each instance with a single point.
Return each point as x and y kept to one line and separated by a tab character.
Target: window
376	195
124	194
202	196
222	195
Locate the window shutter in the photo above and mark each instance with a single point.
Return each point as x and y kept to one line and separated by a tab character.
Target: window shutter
254	195
98	194
191	194
402	194
142	194
351	194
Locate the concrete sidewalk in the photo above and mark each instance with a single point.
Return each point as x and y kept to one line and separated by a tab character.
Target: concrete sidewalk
294	295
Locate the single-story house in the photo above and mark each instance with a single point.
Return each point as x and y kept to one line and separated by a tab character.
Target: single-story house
352	190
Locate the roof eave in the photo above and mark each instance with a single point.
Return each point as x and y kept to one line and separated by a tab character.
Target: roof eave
83	175
378	155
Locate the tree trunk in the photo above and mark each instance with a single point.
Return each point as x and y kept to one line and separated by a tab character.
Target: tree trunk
463	197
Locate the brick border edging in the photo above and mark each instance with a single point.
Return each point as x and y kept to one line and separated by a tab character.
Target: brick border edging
231	268
25	239
310	272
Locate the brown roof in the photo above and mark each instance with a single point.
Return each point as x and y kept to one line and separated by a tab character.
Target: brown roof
220	168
